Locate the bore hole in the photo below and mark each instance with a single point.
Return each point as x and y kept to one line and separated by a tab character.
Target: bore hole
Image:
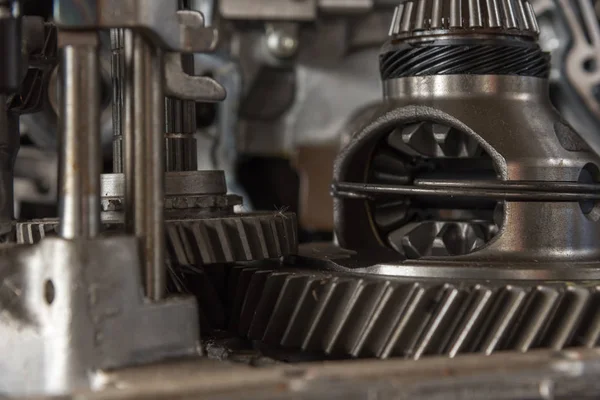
590	64
590	174
49	291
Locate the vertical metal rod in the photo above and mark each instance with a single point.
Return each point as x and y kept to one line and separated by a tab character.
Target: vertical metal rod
155	244
80	152
127	130
117	72
148	163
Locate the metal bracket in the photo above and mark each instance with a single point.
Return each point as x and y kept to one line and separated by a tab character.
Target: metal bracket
72	307
169	28
187	87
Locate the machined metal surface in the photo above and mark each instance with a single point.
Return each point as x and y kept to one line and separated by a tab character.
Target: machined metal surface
80	158
73	307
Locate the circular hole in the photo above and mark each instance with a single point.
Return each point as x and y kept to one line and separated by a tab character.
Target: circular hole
590	174
49	292
590	64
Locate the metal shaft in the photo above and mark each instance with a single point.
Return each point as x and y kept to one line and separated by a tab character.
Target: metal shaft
180	124
80	152
117	41
147	177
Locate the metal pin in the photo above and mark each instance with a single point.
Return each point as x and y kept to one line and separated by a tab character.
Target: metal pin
533	25
455	13
420	22
80	152
475	19
436	14
394	21
406	17
494	20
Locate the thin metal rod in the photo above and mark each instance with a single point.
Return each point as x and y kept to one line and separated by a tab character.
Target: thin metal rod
534	186
365	190
80	152
127	129
147	177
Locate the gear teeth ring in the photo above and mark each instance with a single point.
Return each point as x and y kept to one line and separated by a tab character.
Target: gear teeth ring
371	316
203	241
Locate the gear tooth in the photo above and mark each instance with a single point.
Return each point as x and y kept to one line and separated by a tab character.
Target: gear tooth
389	313
503	313
509	15
330	314
435	334
407	322
367	316
244	242
537	310
475	14
201	236
456	14
220	234
420	15
295	333
588	334
293	288
276	250
522	18
406	21
272	289
242	283
251	301
175	245
566	318
532	19
470	319
494	19
393	31
260	235
349	317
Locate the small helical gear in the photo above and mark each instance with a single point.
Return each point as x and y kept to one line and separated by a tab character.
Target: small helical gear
202	241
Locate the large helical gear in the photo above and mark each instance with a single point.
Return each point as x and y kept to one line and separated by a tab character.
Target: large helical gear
341	314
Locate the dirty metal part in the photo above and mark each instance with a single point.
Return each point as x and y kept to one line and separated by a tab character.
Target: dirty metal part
78	306
168	27
80	158
537	375
358	315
